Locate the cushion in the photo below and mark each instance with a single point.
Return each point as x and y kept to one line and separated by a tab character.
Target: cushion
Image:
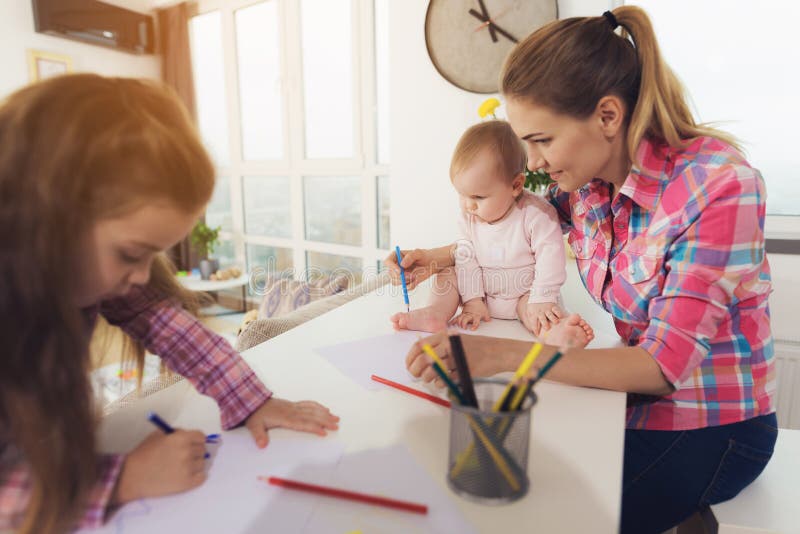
261	330
284	295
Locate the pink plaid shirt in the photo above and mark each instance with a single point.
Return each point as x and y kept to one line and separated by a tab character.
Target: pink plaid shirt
189	349
677	258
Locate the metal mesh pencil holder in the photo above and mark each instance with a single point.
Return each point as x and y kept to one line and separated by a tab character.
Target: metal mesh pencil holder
488	458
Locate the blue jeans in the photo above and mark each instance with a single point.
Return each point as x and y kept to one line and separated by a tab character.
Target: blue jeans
669	475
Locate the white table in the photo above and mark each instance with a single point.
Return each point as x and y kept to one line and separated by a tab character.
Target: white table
576	450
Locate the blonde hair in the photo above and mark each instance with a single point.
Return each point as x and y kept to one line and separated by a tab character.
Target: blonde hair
502	142
569	65
73	150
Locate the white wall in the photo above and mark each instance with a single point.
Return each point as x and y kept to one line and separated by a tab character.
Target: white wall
428	115
17	35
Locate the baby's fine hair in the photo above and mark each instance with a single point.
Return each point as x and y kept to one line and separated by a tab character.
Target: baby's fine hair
502	142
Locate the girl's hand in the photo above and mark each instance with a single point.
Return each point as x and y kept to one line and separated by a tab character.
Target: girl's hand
162	464
305	416
472	314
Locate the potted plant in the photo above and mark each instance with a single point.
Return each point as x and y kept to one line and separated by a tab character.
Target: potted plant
204	239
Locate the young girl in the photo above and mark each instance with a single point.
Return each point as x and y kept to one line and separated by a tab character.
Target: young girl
509	260
666	219
98	176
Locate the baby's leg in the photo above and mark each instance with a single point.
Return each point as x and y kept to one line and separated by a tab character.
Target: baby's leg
434	317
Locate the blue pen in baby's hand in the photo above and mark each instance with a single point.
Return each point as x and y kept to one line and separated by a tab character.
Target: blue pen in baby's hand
402	277
164	427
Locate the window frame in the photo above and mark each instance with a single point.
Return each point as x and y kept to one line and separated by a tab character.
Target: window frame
294	164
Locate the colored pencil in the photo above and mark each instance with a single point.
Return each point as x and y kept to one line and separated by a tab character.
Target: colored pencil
523	393
462	368
402	277
154	418
523	368
160	423
412	391
448	382
346	494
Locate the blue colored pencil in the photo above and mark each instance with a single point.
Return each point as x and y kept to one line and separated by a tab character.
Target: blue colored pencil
402	277
160	423
154	418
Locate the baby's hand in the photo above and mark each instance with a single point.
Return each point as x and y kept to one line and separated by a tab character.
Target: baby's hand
539	317
471	315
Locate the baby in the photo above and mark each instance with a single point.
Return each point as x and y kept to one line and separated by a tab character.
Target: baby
509	258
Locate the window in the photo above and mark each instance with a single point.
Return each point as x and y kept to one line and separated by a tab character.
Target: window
205	34
292	103
743	83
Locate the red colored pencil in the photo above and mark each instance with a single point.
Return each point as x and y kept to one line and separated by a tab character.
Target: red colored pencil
345	494
413	391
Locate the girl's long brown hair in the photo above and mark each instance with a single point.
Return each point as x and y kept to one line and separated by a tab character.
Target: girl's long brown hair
570	64
74	150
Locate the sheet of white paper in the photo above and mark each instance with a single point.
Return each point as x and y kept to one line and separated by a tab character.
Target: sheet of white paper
390	472
384	356
232	499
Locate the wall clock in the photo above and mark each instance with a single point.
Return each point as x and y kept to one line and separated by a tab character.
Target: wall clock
468	40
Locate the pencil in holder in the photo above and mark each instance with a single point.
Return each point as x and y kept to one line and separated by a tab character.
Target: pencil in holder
488	455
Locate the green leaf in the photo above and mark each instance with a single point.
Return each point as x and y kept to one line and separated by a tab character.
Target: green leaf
205	238
534	180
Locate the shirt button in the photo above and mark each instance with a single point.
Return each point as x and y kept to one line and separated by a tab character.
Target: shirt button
632	269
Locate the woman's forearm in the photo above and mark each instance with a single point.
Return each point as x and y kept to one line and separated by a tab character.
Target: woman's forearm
628	369
442	257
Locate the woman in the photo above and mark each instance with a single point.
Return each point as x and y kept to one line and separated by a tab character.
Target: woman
98	176
666	220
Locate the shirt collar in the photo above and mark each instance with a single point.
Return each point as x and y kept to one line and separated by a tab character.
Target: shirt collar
649	175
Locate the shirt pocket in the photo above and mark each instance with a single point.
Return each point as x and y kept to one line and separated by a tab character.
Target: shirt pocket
583	246
641	280
641	268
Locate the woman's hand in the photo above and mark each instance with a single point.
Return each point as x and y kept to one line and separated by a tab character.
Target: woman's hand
162	464
419	264
481	359
304	416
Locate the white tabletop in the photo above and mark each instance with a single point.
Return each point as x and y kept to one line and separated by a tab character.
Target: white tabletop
195	283
575	464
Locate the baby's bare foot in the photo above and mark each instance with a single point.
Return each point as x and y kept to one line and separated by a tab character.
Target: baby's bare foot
572	332
423	320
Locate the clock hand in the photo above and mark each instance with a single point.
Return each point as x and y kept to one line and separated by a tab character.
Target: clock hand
482	25
486	15
491	24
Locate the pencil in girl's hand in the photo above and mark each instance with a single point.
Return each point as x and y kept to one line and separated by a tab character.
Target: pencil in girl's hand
154	418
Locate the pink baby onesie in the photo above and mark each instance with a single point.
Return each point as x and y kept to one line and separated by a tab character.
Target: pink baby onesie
523	253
